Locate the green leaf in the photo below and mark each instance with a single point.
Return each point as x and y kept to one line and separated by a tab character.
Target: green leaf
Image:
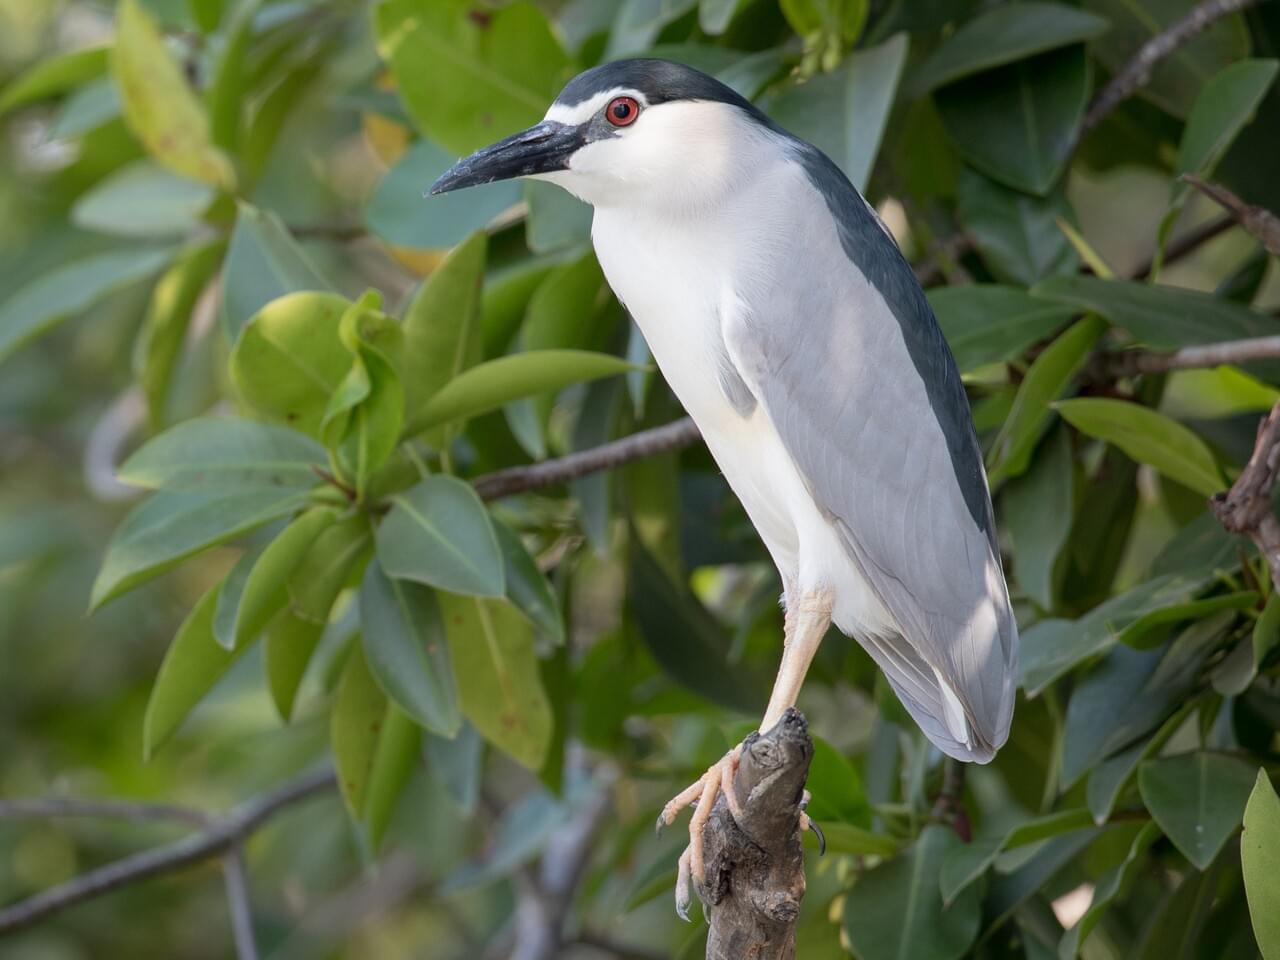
393	764
837	794
71	288
964	864
1266	632
467	82
1110	885
1260	858
1038	508
398	213
458	765
438	533
264	263
1176	80
407	651
1046	379
192	666
1018	124
844	112
164	327
1003	35
287	648
333	559
895	911
494	383
987	323
689	645
499	686
171	526
442	324
227	89
1017	234
1159	316
1198	799
846	838
1149	437
265	591
714	16
224	454
54	76
527	588
158	105
638	23
86	110
556	220
142	200
355	724
289	358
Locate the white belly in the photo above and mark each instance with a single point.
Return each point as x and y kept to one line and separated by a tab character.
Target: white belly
676	296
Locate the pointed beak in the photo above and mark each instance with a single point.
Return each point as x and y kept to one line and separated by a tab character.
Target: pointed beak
542	148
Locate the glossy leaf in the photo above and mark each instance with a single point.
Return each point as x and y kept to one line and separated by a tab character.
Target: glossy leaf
556	220
289	358
457	764
1017	234
223	454
964	864
1038	509
393	765
1260	857
1198	799
287	648
143	200
264	263
1046	379
527	588
170	526
192	666
1266	632
987	323
895	911
467	83
64	291
836	789
1018	124
54	76
844	112
438	533
1003	35
497	674
355	724
1149	437
442	323
159	106
1109	886
494	383
407	650
638	23
333	559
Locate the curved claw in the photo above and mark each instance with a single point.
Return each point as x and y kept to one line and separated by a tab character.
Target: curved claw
822	838
683	896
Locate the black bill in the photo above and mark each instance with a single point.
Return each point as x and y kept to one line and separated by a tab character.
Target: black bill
542	148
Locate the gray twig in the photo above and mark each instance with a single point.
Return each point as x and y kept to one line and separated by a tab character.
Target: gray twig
549	473
237	885
1130	363
48	808
1136	74
1246	507
218	837
1259	221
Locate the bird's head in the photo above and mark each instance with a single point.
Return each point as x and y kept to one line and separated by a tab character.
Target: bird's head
634	132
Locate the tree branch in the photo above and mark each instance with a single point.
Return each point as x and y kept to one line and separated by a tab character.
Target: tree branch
1130	363
48	808
219	837
1246	507
550	473
1186	244
237	885
1136	74
1259	221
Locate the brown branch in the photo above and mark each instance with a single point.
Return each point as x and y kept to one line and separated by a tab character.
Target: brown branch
218	838
1136	74
1130	363
949	804
1259	221
550	473
1246	508
755	867
1186	244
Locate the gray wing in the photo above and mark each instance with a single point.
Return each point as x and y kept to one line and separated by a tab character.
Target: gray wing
842	350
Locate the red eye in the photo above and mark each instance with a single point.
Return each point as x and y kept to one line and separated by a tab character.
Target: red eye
622	111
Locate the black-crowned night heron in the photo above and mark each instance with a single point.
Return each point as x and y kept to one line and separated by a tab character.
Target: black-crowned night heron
788	323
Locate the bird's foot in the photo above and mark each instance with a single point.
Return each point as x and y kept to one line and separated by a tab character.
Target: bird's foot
703	791
807	823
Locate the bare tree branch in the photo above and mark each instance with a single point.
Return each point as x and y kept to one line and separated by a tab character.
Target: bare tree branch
1259	221
1246	507
217	838
549	473
1187	244
1130	363
237	885
1136	74
48	808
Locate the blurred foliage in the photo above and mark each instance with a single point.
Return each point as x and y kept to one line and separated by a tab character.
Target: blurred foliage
222	287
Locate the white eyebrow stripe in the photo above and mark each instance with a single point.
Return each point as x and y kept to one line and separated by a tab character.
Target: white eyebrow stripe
582	112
